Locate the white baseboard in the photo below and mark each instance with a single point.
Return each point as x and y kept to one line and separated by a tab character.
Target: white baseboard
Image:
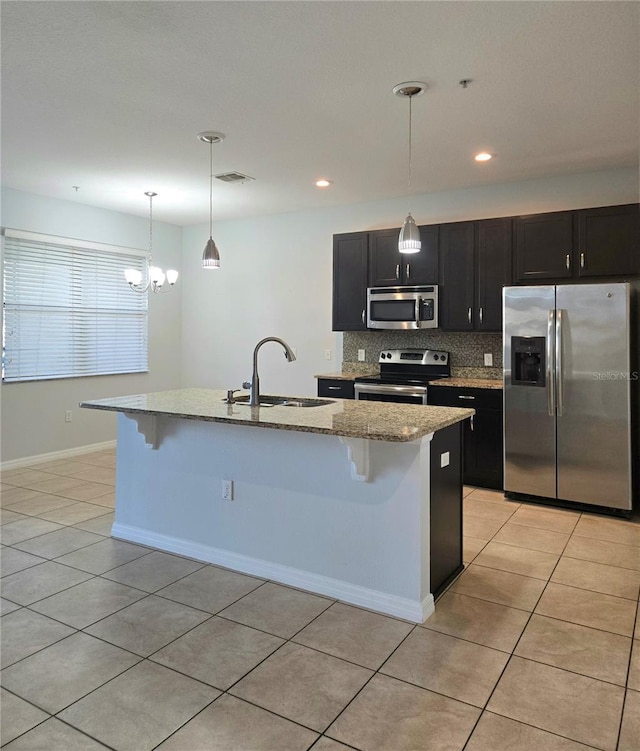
54	456
400	607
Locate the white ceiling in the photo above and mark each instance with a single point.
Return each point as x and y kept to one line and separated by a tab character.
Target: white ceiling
109	96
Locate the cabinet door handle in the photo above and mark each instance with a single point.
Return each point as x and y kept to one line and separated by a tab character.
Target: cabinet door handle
567	261
334	388
471	421
469	315
581	260
408	270
363	315
397	271
471	398
481	315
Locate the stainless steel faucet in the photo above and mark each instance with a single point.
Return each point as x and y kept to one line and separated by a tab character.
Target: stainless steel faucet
254	399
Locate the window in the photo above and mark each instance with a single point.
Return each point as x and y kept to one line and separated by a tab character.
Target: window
68	311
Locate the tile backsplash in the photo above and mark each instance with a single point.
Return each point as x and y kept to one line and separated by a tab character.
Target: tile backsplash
467	349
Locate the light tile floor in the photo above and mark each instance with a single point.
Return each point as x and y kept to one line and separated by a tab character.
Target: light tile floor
110	645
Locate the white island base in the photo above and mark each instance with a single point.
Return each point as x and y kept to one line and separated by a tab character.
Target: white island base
297	516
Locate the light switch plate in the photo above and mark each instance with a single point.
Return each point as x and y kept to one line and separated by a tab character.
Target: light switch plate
488	359
444	459
361	355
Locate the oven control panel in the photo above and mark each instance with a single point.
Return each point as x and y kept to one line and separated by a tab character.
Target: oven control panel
414	356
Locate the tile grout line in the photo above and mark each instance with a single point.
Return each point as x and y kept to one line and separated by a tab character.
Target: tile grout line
515	646
147	594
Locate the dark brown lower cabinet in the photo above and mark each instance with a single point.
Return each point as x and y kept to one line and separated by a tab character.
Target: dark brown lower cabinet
338	388
482	436
445	511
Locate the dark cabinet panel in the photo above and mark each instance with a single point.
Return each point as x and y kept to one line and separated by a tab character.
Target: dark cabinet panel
338	388
582	244
445	515
388	267
609	241
486	469
482	436
456	276
350	281
493	271
422	267
385	261
544	247
475	264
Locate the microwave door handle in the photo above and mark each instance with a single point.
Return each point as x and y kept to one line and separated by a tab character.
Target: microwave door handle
417	311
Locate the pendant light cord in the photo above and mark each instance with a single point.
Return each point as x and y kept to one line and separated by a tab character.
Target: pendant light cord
409	185
210	188
150	230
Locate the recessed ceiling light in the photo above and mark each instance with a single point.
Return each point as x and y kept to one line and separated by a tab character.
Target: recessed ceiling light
323	183
483	156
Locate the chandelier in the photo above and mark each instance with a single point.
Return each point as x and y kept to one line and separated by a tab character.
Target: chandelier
156	277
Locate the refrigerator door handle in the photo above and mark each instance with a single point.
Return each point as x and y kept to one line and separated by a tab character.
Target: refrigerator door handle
559	368
551	401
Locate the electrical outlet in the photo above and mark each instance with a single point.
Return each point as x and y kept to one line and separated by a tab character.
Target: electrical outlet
445	459
227	490
67	416
488	359
361	355
327	354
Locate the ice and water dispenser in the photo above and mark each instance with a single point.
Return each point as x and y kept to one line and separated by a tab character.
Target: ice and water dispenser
528	360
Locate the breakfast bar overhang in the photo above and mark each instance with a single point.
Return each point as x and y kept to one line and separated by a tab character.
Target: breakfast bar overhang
359	501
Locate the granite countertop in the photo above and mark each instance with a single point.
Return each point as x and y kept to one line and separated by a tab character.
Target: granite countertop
460	382
379	421
469	383
347	375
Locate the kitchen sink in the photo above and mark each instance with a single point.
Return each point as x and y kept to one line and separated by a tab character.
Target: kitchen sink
284	401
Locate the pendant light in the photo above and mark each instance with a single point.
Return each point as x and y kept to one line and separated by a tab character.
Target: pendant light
155	275
211	256
409	239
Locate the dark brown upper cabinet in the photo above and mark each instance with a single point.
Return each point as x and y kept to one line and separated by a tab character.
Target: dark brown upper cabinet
388	267
494	244
455	303
350	253
544	247
609	241
475	264
572	245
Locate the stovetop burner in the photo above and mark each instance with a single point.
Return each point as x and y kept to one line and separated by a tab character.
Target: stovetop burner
410	367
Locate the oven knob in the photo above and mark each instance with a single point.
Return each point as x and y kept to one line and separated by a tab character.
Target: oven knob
436	357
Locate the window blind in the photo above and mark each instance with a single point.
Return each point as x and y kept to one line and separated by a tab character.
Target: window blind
68	310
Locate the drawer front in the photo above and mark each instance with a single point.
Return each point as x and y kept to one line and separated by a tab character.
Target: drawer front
451	396
336	388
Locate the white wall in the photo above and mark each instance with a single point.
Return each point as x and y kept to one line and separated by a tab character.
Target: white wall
33	413
275	280
275	277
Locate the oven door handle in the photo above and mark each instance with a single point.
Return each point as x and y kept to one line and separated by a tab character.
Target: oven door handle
387	388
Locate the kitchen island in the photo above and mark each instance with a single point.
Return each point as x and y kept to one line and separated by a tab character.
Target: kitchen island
361	501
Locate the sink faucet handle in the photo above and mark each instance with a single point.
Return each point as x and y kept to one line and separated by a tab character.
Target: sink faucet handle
230	393
246	384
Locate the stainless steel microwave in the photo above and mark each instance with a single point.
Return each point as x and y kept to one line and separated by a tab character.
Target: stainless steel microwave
402	307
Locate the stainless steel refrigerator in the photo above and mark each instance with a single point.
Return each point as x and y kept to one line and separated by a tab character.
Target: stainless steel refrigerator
567	393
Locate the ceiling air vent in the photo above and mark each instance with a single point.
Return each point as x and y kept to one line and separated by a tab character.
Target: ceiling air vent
233	177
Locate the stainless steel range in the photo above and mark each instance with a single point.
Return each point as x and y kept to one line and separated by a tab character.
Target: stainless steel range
404	375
